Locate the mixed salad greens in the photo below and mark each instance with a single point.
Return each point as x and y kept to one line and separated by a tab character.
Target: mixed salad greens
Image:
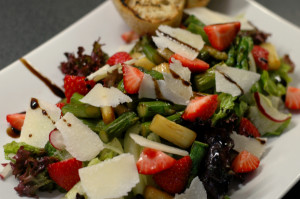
183	114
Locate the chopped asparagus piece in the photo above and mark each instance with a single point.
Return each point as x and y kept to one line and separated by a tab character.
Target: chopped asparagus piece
145	125
197	153
205	81
108	114
82	110
118	126
174	133
146	110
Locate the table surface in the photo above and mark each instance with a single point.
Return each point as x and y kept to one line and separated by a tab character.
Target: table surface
28	24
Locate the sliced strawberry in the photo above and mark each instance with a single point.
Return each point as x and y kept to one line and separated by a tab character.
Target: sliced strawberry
132	78
195	65
245	162
292	98
174	179
260	56
73	84
65	173
129	36
221	36
248	129
60	105
118	58
16	120
201	107
152	161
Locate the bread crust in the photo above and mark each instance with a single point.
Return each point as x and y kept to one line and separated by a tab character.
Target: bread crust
196	3
145	25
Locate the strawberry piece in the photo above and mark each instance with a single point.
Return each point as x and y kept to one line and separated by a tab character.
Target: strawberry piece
65	173
245	162
201	107
221	36
129	36
16	120
260	56
152	161
174	179
118	58
248	129
60	105
73	84
195	65
292	98
132	78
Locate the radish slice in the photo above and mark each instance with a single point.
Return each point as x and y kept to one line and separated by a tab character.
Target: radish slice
6	172
264	105
57	140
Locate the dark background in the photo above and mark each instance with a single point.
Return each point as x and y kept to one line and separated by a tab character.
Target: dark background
26	24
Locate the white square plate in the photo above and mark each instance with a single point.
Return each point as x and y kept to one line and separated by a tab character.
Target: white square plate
280	166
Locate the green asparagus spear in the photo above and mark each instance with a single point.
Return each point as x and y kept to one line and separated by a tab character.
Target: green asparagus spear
82	110
175	118
118	126
147	110
153	73
197	153
231	56
121	86
215	53
205	81
94	124
75	98
151	52
193	20
244	48
194	28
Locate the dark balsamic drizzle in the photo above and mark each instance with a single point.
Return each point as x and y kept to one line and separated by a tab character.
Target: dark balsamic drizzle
176	76
157	90
231	80
54	88
13	133
34	104
181	42
262	141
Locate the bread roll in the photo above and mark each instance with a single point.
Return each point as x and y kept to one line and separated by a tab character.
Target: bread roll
196	3
144	16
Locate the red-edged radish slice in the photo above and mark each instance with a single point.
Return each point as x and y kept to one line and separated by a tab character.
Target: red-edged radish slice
56	140
264	105
7	171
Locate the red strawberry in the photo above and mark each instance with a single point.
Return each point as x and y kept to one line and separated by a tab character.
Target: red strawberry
292	98
129	36
247	128
221	36
195	65
132	78
152	161
201	107
174	179
118	58
65	173
60	105
260	56
16	120
73	84
245	162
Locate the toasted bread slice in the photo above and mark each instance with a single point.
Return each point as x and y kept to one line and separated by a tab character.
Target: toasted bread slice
144	16
196	3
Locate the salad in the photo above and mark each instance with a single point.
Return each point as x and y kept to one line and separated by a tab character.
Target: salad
193	103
